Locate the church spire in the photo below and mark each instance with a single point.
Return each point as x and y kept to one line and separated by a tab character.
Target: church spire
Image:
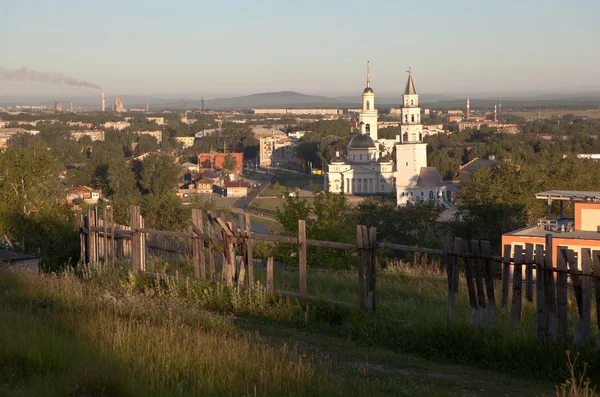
410	85
368	74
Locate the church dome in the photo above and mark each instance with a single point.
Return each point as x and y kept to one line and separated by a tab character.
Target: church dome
338	159
368	90
361	141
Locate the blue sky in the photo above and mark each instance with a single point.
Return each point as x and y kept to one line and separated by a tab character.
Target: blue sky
231	47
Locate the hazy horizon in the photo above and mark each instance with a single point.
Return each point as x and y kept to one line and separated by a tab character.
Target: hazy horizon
234	48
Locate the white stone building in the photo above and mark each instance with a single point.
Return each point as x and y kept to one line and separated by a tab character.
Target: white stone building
414	179
364	171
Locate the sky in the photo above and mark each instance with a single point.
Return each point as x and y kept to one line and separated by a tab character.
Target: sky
235	47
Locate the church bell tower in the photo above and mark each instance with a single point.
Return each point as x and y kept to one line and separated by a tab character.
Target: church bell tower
411	129
368	115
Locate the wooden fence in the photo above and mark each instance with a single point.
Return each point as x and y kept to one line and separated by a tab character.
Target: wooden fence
213	243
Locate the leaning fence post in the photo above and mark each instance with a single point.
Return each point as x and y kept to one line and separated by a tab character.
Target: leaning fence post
249	257
105	232
211	252
506	275
196	246
478	263
135	246
470	284
372	262
541	315
517	285
302	255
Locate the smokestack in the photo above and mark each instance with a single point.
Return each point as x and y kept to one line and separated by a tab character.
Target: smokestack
103	102
495	114
468	109
71	107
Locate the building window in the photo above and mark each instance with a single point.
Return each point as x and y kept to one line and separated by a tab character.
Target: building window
411	102
406	117
368	128
421	194
368	157
368	105
360	157
406	164
412	118
353	157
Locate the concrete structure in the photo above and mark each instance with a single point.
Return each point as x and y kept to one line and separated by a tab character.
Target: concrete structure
581	231
103	105
468	114
186	141
157	120
277	149
117	125
236	189
80	124
502	127
214	161
95	135
118	105
295	112
367	120
414	179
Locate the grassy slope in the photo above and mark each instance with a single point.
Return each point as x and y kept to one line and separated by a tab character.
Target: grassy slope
113	334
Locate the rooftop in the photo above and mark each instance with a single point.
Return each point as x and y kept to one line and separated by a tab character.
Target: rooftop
569	195
559	228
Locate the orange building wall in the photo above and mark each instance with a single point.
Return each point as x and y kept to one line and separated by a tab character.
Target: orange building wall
579	217
206	161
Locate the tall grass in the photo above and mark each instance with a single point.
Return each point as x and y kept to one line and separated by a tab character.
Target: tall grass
106	332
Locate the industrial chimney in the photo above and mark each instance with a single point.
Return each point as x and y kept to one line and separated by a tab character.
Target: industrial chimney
495	114
468	115
103	103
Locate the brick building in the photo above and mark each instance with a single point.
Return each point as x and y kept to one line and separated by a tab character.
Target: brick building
215	161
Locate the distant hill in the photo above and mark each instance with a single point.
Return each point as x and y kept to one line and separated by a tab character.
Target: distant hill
283	99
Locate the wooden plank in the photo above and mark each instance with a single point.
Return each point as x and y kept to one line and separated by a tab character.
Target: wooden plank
409	248
575	279
329	244
142	237
249	257
196	247
447	257
489	283
275	239
596	272
550	291
506	275
529	272
361	266
478	269
91	239
517	285
541	314
451	309
105	234
211	253
201	251
372	287
474	310
270	274
87	238
302	255
113	246
583	332
561	292
230	262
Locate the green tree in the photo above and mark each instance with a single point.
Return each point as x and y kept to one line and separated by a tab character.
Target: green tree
230	162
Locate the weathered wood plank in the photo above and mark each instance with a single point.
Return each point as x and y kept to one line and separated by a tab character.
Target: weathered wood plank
478	269
583	331
270	275
506	275
451	310
249	257
529	272
596	272
517	285
550	291
302	256
561	292
473	312
541	314
489	283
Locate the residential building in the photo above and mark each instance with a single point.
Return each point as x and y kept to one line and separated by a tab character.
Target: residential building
277	150
190	167
214	161
186	141
477	124
95	135
117	125
80	124
85	193
5	141
191	189
156	134
577	232
236	189
157	120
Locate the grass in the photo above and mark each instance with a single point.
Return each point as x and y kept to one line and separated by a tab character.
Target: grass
271	204
104	331
289	182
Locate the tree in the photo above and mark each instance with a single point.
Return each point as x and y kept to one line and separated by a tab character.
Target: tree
230	162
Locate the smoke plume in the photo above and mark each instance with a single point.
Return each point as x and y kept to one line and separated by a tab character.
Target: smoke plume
26	74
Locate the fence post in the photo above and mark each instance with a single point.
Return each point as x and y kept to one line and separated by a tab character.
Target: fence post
90	237
83	238
596	262
517	285
196	245
211	252
249	258
372	263
478	263
529	272
454	281
469	280
489	283
561	292
361	265
105	231
302	255
230	259
550	291
135	249
575	279
506	275
541	313
113	246
270	275
142	236
582	332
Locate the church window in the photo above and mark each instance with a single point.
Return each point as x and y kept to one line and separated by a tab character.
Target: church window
353	157
412	118
406	164
368	157
431	195
411	102
421	194
360	157
368	128
406	117
368	105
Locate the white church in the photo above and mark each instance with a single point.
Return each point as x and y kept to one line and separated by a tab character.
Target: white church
366	171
